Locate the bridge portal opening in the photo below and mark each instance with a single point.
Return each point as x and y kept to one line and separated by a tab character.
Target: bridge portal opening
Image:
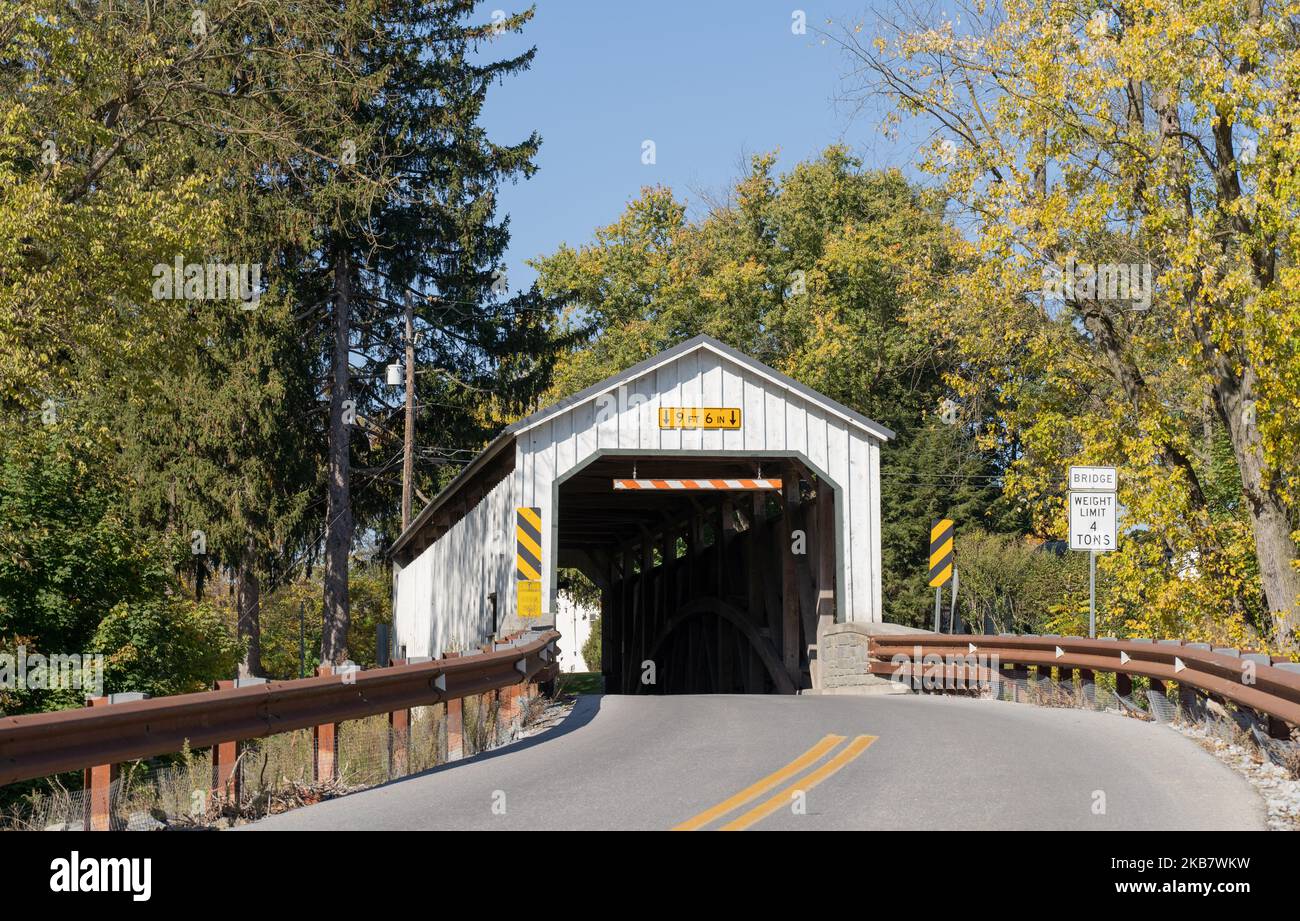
715	572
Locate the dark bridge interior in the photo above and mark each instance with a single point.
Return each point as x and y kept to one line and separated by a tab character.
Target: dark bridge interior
703	590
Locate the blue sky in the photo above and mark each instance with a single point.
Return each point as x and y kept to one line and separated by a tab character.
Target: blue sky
709	82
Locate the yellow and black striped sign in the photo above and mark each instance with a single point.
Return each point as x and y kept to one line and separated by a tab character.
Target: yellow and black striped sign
528	544
941	552
528	560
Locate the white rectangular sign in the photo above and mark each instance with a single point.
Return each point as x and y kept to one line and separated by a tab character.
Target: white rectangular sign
1093	521
1103	479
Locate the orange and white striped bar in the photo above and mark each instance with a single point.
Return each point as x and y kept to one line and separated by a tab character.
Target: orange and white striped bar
698	484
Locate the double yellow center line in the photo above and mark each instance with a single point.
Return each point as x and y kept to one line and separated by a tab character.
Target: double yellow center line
782	799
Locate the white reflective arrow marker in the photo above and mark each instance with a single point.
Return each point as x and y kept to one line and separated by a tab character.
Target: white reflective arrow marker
1059	652
1123	658
1178	665
970	647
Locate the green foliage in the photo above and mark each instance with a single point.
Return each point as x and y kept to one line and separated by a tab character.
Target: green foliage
1021	586
286	612
167	645
370	591
932	475
1077	140
370	594
77	577
581	590
229	445
67	554
591	648
127	139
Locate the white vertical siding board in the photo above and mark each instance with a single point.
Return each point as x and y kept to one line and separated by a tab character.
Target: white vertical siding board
628	428
517	499
816	438
837	446
605	408
692	395
796	426
733	395
585	425
752	423
566	441
860	474
876	560
643	413
545	477
774	406
710	395
670	395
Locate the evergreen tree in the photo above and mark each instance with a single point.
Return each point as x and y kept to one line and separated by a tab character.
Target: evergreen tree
433	243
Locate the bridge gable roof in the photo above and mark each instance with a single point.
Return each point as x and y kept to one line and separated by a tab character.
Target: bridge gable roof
703	343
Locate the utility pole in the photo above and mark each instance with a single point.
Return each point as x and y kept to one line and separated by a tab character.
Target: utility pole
408	447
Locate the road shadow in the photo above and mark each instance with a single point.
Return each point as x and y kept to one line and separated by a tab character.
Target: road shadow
584	711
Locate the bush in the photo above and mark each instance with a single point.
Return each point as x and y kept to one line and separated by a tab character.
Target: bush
591	648
1020	587
167	645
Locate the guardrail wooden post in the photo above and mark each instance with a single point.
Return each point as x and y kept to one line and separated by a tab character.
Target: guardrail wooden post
97	787
325	737
455	723
399	737
1088	684
1123	685
226	779
225	755
491	705
512	704
507	697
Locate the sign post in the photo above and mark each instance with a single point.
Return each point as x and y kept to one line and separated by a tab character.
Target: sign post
941	533
1094	514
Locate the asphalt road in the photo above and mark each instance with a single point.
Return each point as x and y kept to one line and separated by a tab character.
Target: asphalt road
773	762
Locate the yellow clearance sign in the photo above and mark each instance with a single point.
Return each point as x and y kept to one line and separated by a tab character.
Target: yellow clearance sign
699	417
528	561
941	552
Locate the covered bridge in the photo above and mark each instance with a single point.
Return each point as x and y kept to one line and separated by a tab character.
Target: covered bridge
726	512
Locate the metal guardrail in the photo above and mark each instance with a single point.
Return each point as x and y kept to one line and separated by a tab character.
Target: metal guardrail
1270	685
37	745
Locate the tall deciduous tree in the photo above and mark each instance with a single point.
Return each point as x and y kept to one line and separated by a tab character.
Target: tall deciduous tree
138	136
1142	135
121	126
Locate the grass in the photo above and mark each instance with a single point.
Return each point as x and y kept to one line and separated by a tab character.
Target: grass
579	683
